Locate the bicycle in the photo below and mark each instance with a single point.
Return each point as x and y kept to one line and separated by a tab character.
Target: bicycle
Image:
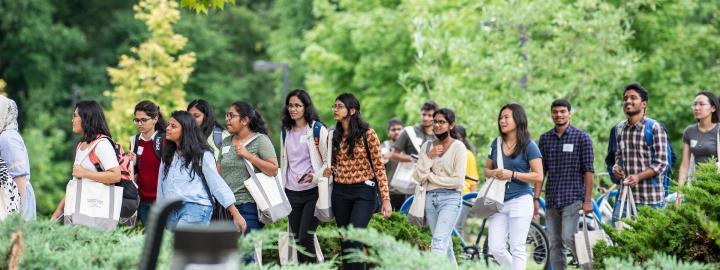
537	240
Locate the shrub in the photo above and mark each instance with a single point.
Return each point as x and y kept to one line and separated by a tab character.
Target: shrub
680	231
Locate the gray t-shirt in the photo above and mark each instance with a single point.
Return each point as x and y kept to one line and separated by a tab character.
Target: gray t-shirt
403	141
702	145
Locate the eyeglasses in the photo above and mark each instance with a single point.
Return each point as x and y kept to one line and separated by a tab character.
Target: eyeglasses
231	115
141	121
699	104
338	107
295	106
439	122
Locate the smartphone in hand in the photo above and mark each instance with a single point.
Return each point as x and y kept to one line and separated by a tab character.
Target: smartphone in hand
306	178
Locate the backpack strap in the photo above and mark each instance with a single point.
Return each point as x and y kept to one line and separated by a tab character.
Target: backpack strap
648	135
217	137
158	142
135	143
412	136
367	153
317	125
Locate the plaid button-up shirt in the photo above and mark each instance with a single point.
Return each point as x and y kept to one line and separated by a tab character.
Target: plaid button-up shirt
565	159
633	155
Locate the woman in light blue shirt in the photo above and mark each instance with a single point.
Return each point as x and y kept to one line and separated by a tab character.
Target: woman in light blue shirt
186	159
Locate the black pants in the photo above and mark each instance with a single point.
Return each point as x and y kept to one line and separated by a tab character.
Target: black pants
302	221
353	205
397	200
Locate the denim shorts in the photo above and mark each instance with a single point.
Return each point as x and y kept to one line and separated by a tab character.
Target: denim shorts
189	214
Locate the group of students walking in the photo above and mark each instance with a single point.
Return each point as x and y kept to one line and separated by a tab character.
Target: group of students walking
192	157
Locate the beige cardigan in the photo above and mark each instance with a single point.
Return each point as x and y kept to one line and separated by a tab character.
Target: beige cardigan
446	171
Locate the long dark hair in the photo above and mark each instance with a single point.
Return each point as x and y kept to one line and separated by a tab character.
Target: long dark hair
358	127
192	144
209	122
152	110
310	112
522	132
714	103
257	122
92	120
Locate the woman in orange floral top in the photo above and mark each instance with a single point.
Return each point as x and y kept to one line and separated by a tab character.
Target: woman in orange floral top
358	175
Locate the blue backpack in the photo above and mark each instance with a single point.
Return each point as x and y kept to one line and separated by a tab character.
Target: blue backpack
316	126
647	132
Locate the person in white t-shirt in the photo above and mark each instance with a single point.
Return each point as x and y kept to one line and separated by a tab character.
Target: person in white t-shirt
89	122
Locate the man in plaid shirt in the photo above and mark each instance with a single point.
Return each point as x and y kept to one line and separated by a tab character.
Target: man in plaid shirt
568	165
639	166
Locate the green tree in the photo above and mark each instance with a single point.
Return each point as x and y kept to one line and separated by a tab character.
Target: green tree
155	73
526	52
362	48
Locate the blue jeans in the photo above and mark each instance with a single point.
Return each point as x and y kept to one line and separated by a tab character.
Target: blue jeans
189	214
144	212
250	213
442	208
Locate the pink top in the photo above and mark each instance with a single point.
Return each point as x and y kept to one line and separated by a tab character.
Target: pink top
299	163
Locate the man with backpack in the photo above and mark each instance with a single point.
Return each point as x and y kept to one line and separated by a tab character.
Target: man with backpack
642	157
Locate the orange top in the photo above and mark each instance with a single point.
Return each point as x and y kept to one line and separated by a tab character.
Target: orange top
349	170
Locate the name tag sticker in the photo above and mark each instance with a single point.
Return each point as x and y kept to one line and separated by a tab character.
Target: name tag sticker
303	138
693	143
568	147
140	150
226	149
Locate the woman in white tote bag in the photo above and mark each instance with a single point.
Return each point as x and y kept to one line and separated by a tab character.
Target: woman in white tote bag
700	140
89	121
248	140
188	171
302	157
523	169
441	168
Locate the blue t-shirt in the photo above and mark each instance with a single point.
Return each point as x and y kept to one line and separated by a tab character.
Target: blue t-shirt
520	163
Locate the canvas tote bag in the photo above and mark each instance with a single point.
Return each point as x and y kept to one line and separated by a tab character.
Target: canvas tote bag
491	197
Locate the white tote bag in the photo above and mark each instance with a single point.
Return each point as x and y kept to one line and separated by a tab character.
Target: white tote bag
268	193
402	180
416	214
491	197
627	206
586	239
287	251
92	203
323	206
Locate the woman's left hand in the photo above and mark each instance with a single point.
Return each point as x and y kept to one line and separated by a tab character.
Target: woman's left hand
79	172
240	223
386	209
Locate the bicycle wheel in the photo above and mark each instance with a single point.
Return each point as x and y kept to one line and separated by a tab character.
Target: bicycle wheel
537	246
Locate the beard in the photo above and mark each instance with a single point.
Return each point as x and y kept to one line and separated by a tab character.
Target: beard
632	113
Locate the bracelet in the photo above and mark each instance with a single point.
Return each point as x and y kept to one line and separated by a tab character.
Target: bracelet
513	175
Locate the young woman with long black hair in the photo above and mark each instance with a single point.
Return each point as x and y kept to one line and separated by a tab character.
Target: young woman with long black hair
358	170
187	162
210	128
302	154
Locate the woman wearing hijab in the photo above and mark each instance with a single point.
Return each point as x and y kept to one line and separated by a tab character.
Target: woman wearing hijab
13	151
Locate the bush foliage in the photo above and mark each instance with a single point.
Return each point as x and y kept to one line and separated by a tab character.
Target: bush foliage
682	231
